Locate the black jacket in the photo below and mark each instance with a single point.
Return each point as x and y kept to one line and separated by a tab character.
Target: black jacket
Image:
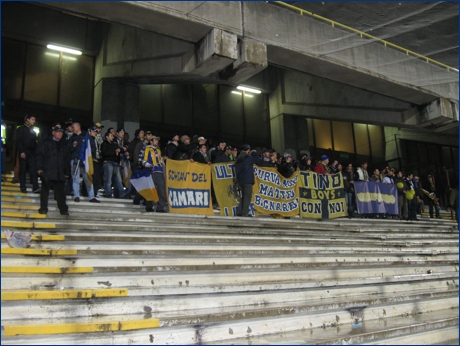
244	167
170	149
108	151
26	139
53	158
184	151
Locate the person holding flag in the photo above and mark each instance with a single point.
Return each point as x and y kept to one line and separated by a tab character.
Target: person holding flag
81	162
150	157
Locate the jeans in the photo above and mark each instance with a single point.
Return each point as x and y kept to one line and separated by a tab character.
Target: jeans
97	176
75	171
110	173
349	199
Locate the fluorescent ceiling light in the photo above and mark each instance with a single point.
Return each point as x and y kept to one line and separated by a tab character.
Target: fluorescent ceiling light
248	95
255	91
54	55
237	92
63	49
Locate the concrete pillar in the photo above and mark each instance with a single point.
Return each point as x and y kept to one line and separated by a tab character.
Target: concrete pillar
252	59
116	104
215	51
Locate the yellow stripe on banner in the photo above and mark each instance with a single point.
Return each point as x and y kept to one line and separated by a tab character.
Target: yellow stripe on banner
18	200
64	294
39	237
47	270
20	207
37	252
81	327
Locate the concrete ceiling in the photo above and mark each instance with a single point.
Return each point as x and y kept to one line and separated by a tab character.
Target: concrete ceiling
427	28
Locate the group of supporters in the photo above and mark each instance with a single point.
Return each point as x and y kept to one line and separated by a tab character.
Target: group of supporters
57	160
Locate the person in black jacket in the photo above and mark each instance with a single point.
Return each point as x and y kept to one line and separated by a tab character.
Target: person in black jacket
26	143
245	176
201	155
184	149
52	165
111	156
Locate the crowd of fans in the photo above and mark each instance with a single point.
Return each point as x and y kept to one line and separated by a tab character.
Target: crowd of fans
113	153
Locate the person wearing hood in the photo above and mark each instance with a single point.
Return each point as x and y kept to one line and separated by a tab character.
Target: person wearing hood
151	157
245	177
171	147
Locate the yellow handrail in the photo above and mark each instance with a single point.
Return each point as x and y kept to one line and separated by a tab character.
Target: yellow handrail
363	34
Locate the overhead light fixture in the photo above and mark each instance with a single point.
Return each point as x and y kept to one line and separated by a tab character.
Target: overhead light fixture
248	95
237	92
63	49
54	55
251	90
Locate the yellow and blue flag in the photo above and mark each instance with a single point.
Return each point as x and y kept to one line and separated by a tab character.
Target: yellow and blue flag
143	183
86	159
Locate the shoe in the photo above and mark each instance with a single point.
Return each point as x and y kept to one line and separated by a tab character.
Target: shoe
15	181
160	211
77	199
24	190
94	200
64	213
109	196
149	210
125	197
42	211
136	203
36	190
97	196
101	191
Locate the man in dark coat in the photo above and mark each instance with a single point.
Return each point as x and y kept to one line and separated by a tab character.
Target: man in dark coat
185	148
245	176
26	143
52	162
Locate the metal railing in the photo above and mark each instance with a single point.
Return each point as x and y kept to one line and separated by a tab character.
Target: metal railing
363	34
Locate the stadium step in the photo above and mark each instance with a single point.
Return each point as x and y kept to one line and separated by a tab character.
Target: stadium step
110	273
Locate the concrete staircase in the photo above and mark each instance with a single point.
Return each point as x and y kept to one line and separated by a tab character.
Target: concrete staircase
112	274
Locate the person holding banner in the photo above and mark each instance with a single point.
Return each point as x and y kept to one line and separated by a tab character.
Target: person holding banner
322	166
244	168
150	157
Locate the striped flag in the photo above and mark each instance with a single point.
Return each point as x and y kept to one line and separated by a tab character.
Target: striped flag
143	183
86	159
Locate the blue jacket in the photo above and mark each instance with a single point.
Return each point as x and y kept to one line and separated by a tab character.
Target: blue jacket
244	167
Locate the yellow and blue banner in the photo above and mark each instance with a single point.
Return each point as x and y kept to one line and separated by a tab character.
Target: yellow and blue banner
188	186
321	196
377	198
226	188
275	194
143	183
86	159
